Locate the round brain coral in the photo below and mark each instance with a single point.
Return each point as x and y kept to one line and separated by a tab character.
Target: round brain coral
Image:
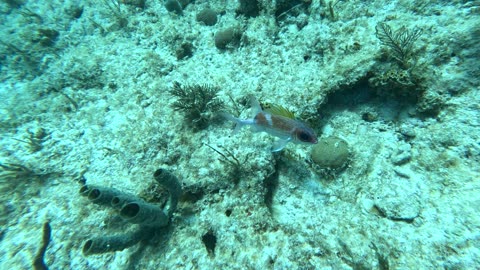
331	153
207	16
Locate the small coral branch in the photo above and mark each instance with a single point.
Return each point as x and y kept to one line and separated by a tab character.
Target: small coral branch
198	103
12	171
400	41
228	158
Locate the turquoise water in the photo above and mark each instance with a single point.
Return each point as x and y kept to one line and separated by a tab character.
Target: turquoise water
114	154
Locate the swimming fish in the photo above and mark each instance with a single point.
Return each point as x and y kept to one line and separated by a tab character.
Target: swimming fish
278	122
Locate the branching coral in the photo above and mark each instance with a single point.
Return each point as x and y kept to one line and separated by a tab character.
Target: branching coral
13	171
400	41
236	166
198	102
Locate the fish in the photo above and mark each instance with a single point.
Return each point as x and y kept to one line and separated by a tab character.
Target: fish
276	121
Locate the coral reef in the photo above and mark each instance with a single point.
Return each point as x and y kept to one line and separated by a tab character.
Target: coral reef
88	91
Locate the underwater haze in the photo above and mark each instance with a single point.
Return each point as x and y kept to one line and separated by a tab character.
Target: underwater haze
362	152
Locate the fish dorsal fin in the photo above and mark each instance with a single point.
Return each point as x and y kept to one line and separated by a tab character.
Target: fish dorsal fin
279	110
255	106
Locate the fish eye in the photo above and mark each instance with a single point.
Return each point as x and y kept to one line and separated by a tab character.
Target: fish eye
304	137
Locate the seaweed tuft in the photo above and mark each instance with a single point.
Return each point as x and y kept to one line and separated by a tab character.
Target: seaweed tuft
400	41
199	103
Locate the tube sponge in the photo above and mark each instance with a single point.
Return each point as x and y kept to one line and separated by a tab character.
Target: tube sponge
99	195
84	190
143	213
121	200
171	183
115	243
150	217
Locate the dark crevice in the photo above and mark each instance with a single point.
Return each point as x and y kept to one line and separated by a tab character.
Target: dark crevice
210	241
270	183
360	97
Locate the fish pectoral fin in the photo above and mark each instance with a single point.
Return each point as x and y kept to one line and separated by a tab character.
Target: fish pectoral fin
278	145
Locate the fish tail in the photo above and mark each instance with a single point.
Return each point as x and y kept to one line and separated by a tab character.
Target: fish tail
229	117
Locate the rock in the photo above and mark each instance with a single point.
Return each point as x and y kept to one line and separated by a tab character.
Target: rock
402	155
407	131
228	37
398	209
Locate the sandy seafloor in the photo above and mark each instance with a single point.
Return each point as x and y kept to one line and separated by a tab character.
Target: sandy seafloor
93	104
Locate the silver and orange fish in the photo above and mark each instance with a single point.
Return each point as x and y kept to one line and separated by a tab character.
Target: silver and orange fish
278	122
